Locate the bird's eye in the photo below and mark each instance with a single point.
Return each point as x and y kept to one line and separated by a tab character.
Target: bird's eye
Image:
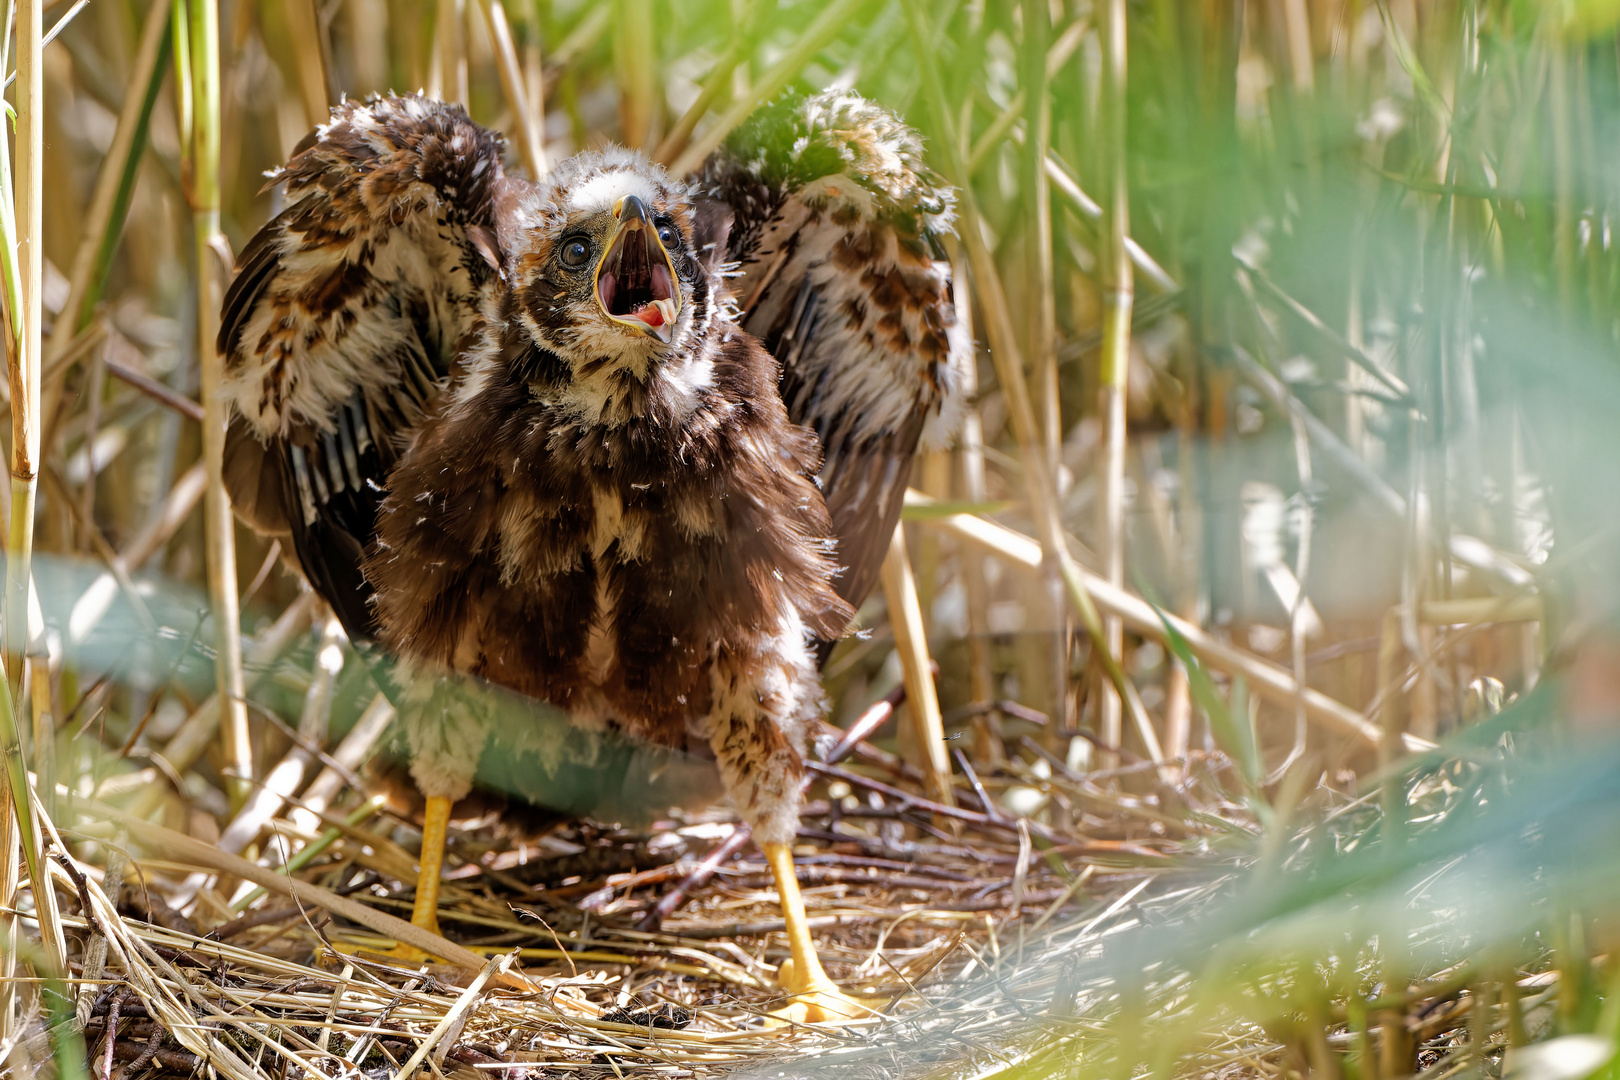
575	253
668	236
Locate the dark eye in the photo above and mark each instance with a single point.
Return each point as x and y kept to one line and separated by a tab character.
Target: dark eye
575	253
668	236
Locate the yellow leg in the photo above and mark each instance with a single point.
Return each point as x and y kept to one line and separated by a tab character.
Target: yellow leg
425	912
816	999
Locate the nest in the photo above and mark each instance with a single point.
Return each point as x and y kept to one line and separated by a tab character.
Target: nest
911	902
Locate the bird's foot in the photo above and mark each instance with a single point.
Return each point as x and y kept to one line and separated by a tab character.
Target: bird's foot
406	954
816	999
410	954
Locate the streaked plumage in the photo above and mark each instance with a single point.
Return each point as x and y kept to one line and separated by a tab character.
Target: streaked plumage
835	223
520	431
346	315
626	529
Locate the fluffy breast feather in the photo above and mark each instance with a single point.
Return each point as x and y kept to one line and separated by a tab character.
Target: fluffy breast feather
627	556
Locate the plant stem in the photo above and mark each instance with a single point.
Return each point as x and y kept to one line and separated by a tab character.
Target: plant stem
529	127
1008	359
911	643
451	50
304	24
202	17
1118	294
28	200
637	61
828	25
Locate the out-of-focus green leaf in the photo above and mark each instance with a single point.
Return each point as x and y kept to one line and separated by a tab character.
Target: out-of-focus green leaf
1231	725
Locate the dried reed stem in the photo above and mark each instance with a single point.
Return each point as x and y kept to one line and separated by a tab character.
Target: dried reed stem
1005	351
1145	264
1040	315
25	229
970	447
28	201
911	643
192	739
10	743
115	185
996	132
496	967
281	782
636	58
680	136
170	844
527	123
104	218
14	808
202	17
1269	681
1118	294
305	30
451	52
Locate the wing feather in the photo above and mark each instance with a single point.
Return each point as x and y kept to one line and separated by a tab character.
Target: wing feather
834	222
344	321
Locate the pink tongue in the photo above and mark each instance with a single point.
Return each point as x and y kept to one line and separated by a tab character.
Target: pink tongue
650	315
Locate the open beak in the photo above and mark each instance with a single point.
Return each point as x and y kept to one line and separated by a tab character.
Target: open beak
635	281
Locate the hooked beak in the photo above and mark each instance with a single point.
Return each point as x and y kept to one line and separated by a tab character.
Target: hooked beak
635	280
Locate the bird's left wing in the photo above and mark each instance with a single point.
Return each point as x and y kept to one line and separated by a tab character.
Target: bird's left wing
834	224
344	320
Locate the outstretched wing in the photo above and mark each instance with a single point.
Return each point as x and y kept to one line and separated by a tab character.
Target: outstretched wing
345	317
835	224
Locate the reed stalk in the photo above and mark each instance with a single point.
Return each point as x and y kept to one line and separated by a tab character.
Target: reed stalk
528	123
451	50
13	822
25	268
28	200
676	140
1118	294
202	63
636	58
304	26
104	221
115	185
1040	312
911	642
1008	357
828	25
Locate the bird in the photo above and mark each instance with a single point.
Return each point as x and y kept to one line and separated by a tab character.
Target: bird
597	437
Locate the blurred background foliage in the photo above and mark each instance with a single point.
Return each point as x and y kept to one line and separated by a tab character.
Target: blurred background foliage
1366	440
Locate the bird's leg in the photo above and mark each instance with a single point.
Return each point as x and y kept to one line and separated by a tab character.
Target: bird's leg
816	999
425	911
762	704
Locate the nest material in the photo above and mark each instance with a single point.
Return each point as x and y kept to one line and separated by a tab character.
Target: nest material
906	898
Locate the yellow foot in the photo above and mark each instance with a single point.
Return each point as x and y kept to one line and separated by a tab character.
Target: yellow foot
410	954
817	999
813	997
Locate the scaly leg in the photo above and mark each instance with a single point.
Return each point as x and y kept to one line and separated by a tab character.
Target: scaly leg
425	912
816	998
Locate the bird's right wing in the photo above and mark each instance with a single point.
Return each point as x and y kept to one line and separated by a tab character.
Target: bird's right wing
834	224
346	315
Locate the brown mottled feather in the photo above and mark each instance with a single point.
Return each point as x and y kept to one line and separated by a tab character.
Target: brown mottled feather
834	221
630	530
343	321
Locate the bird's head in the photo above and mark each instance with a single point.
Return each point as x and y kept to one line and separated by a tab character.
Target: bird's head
598	258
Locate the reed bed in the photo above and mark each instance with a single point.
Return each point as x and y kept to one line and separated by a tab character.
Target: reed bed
1267	591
